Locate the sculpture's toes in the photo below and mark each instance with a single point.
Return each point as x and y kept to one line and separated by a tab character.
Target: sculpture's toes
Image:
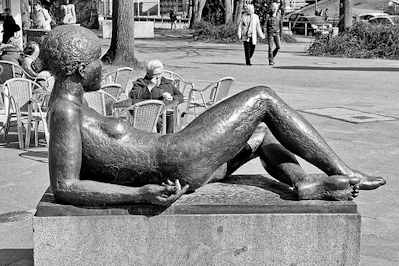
342	187
355	191
371	182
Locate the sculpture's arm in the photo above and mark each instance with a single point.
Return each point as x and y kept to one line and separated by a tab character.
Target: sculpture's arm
65	163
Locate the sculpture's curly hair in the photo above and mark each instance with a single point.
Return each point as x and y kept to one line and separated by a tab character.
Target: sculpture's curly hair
65	47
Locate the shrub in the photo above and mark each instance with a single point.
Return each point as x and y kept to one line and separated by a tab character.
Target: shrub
361	41
207	31
225	33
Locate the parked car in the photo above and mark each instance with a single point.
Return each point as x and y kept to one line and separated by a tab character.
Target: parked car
315	25
366	16
384	20
294	16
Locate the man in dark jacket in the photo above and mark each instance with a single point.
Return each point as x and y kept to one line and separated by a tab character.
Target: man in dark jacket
273	31
154	86
9	26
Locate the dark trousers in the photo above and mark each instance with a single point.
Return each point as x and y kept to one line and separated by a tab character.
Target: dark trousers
273	38
6	36
249	50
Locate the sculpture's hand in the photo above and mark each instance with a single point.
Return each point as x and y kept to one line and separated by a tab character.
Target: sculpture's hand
164	194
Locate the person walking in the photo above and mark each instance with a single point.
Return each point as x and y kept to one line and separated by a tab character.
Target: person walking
325	14
173	19
68	11
273	32
41	18
248	30
9	26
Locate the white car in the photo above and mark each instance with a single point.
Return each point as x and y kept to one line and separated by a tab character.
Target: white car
367	16
381	20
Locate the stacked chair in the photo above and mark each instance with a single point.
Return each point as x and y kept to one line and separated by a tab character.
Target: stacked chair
22	101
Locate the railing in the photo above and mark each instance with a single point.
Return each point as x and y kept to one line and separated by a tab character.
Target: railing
290	24
159	19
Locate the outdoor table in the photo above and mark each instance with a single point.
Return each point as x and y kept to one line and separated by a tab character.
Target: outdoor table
169	114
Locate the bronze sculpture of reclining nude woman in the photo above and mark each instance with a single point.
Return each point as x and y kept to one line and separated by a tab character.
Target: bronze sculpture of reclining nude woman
97	160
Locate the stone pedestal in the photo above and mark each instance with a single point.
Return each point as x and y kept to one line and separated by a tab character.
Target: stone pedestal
220	224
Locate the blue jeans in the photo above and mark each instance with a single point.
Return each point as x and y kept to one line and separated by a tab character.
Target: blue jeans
249	50
273	38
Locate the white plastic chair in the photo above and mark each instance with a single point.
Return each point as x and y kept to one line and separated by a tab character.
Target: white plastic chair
185	88
145	115
120	76
179	82
216	91
100	101
113	89
21	102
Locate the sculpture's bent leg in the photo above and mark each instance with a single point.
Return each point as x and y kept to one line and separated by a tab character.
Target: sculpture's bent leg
231	123
282	165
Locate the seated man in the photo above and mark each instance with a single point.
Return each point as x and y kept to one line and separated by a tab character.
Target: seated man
98	160
154	86
11	50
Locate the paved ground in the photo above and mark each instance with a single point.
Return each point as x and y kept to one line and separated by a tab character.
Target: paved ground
305	82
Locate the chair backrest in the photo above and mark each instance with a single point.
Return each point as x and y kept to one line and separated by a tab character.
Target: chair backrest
100	101
9	70
114	89
46	82
178	80
120	76
144	115
21	90
221	90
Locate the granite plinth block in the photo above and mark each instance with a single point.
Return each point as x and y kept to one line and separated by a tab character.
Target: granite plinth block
259	223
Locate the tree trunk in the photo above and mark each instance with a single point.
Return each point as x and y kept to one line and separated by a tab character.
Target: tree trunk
238	11
197	7
228	12
121	51
25	14
345	15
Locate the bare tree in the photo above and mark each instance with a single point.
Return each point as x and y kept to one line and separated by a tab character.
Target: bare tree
197	7
121	51
238	10
25	14
228	10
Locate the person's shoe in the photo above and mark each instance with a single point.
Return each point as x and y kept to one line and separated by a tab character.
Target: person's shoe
248	64
271	63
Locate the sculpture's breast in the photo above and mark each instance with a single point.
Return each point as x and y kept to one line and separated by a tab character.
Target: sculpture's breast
114	155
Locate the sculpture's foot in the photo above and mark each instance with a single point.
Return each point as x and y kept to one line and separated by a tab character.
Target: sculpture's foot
368	182
336	187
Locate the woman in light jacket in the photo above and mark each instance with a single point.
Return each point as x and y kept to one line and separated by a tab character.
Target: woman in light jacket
248	30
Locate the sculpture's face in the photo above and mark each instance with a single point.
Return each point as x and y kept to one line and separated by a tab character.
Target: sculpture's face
91	76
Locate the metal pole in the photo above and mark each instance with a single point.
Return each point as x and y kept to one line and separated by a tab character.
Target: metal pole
306	28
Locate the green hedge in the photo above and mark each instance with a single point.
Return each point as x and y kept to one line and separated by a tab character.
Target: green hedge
361	41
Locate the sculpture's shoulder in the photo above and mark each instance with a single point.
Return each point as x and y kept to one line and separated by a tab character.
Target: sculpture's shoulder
64	109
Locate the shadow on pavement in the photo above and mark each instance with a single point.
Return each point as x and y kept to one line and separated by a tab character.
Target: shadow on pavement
38	156
20	257
232	63
375	69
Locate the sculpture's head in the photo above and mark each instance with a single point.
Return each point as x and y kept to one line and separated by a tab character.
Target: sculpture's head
74	51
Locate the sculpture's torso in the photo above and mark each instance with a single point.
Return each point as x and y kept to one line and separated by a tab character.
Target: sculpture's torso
111	155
